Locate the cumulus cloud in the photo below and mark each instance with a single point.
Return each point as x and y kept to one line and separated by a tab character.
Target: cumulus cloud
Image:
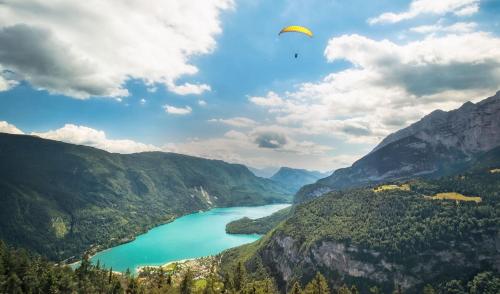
47	44
419	7
389	85
271	99
82	135
270	140
7	81
189	89
459	27
202	103
5	127
177	110
240	122
241	147
234	146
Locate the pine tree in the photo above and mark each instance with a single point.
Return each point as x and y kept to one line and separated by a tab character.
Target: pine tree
354	289
117	287
375	290
186	283
239	276
228	285
110	276
270	287
318	285
211	279
344	290
13	285
428	289
296	288
133	287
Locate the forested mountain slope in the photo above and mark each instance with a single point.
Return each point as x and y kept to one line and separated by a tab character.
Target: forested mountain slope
59	199
392	238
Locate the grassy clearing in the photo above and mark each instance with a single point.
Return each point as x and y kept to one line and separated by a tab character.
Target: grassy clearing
454	196
403	187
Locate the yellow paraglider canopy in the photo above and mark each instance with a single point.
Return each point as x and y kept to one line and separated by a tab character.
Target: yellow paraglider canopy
297	29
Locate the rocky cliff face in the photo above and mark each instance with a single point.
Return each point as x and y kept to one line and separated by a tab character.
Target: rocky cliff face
439	144
341	262
472	128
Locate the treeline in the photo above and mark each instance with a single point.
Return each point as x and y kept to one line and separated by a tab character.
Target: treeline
262	225
20	272
401	223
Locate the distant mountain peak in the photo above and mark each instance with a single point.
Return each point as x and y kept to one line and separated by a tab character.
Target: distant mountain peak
296	178
471	128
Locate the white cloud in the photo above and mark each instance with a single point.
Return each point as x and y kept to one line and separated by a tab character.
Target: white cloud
47	43
240	147
271	99
468	10
436	7
240	122
389	85
6	84
188	89
177	110
202	103
459	27
143	101
82	135
5	127
233	146
152	89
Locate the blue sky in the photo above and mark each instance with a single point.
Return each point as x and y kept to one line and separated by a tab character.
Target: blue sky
358	79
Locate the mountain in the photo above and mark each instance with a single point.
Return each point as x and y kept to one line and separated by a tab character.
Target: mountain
261	225
294	179
440	143
59	199
391	239
266	172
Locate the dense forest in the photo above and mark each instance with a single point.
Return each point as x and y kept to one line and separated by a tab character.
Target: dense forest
388	236
21	272
59	199
257	226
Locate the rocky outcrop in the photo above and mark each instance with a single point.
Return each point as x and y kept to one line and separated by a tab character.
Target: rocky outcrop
439	144
472	128
289	260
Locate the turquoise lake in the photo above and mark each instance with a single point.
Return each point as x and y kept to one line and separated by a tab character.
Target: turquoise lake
195	235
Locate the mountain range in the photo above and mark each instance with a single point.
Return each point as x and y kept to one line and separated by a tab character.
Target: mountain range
390	239
420	209
294	179
440	143
60	199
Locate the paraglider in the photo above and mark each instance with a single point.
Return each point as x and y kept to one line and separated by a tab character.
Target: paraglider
297	29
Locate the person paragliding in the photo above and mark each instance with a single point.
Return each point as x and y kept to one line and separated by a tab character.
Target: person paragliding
297	29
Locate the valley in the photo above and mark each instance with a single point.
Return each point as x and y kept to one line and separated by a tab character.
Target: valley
419	213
